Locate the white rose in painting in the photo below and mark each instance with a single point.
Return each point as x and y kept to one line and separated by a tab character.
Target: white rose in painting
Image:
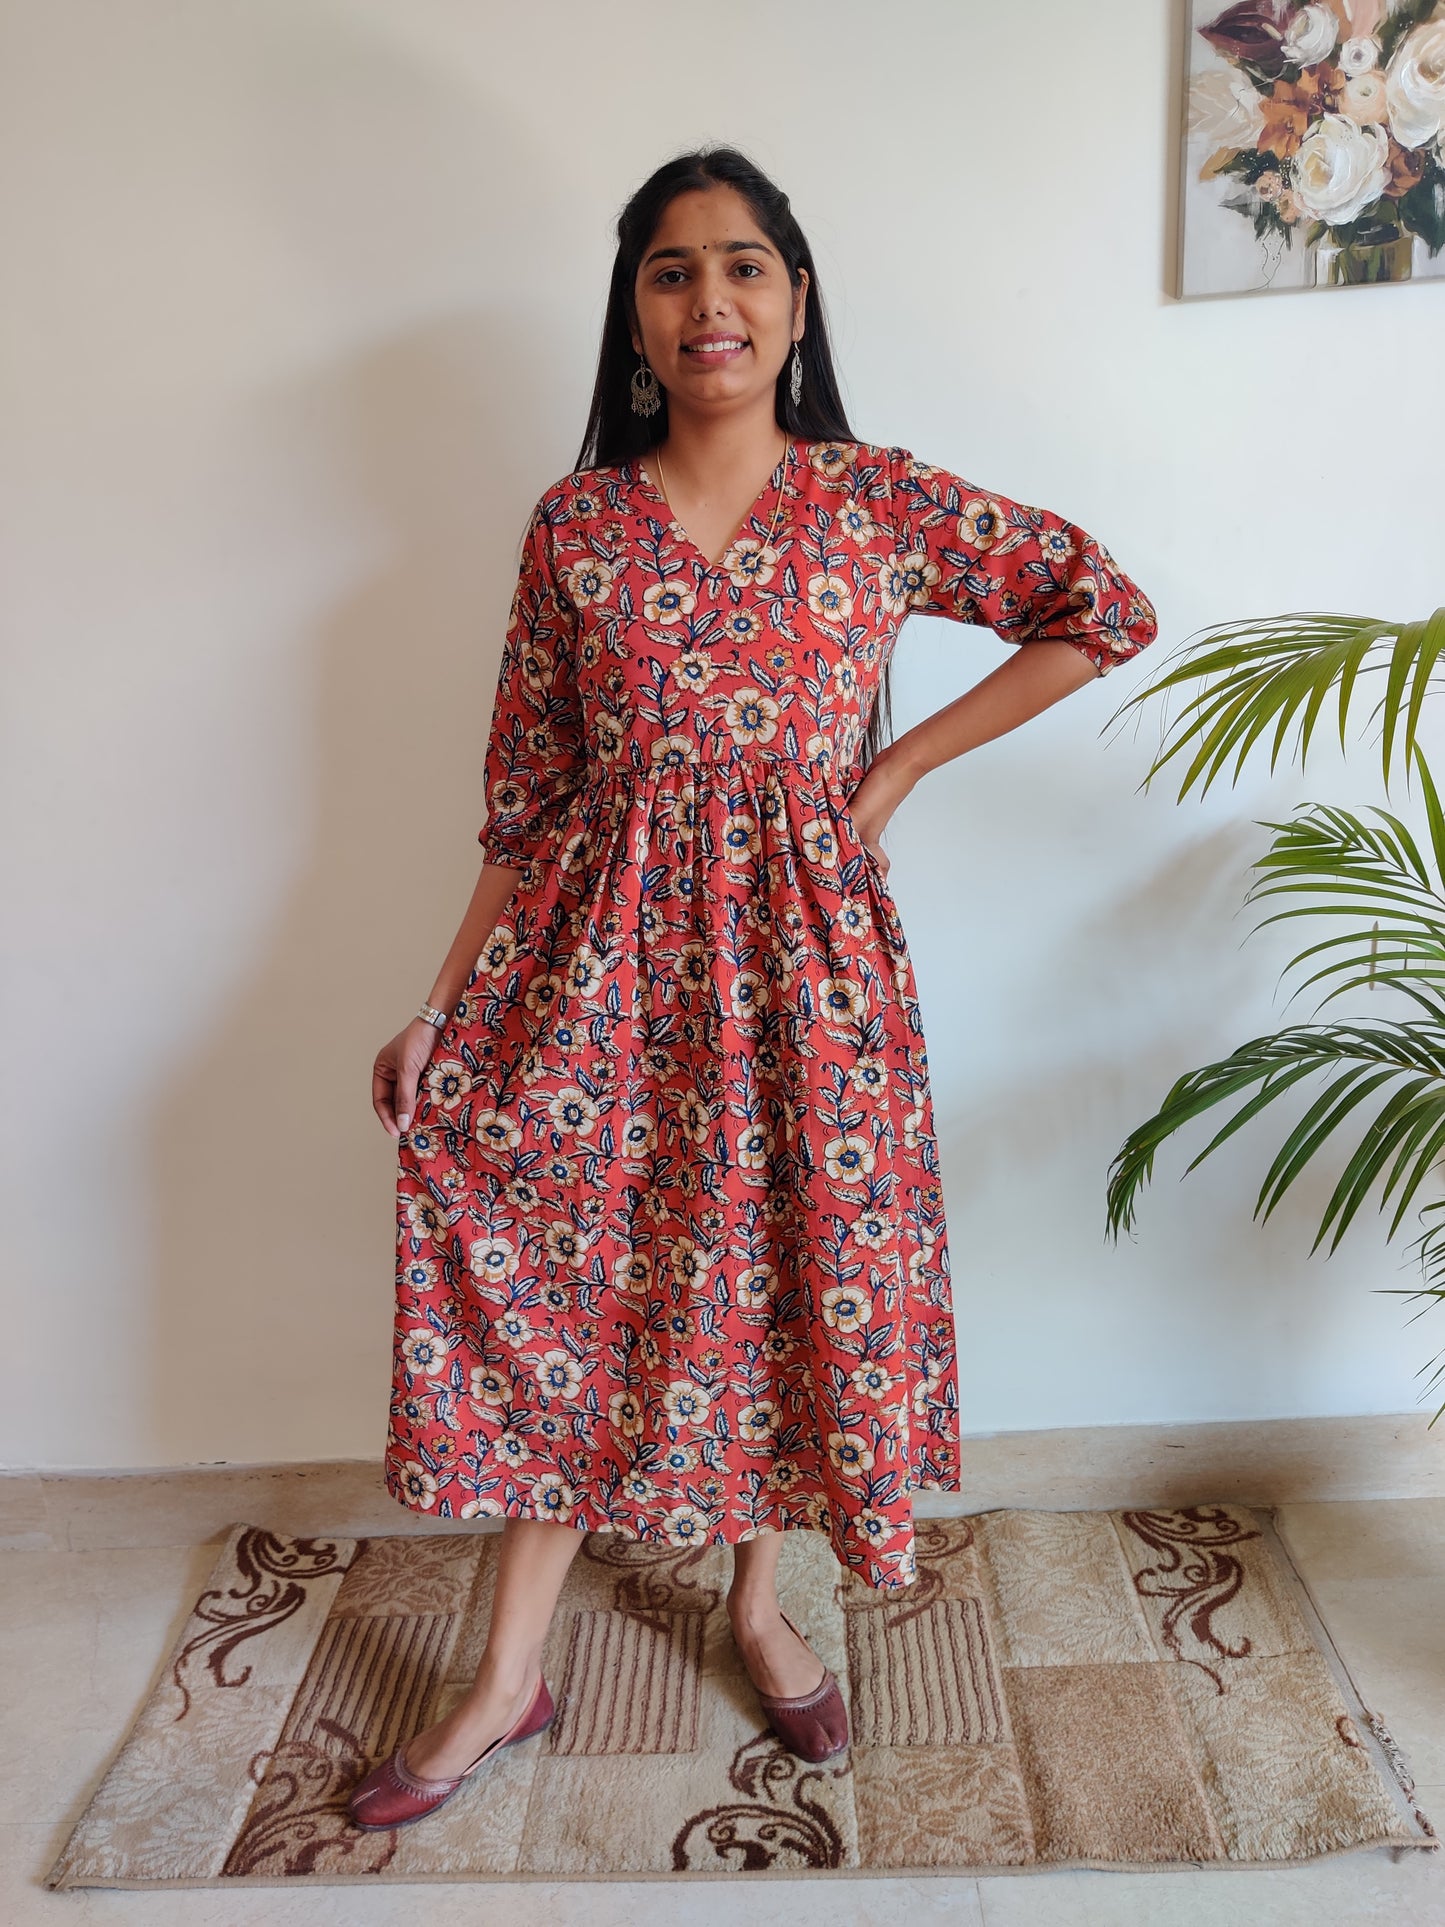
1340	169
1225	109
1311	35
1359	55
1415	85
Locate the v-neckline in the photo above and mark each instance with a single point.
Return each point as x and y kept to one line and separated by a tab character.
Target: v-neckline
776	482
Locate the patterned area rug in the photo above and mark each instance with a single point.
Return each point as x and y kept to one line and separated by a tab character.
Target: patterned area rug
1126	1689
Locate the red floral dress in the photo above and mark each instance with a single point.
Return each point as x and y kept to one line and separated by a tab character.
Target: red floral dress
672	1259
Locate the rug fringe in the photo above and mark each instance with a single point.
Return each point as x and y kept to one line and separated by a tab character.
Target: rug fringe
1400	1767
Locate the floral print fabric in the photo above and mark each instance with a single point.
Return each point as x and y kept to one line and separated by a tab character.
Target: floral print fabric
672	1257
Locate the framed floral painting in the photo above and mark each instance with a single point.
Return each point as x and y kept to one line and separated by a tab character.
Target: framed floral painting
1314	144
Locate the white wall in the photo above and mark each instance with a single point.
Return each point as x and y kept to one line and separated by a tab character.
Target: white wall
302	316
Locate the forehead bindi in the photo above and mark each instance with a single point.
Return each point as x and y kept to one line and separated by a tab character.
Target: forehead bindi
681	251
719	214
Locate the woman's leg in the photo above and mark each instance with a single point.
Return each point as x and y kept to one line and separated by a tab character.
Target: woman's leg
531	1566
777	1659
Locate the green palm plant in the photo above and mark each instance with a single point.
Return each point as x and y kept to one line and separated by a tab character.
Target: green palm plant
1376	892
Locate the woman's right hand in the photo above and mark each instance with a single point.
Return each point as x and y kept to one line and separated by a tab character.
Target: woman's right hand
397	1072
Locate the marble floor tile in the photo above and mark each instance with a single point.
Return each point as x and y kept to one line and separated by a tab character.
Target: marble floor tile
1352	1890
1387	1539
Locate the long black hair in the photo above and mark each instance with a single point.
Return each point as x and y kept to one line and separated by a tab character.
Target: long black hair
616	433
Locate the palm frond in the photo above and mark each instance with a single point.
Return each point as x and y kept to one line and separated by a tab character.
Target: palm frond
1373	876
1383	901
1281	671
1399	1145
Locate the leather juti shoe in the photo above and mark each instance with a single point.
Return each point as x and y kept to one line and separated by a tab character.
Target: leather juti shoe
392	1795
813	1725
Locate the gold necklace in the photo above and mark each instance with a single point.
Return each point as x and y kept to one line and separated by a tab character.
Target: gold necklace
777	510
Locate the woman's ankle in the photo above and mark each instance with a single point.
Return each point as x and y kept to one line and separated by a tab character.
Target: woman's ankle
507	1675
750	1606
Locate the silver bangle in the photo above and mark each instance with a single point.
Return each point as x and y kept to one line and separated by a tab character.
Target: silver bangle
438	1018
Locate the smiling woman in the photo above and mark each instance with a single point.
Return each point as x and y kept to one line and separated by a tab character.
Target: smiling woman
710	265
672	1257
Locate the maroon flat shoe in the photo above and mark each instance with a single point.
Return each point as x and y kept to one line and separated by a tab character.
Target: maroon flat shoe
392	1795
812	1725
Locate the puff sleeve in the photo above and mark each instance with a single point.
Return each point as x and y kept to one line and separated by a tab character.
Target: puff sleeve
535	757
1026	573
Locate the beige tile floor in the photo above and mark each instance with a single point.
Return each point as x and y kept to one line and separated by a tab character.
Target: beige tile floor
85	1623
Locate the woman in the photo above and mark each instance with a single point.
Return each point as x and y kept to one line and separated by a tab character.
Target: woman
671	1247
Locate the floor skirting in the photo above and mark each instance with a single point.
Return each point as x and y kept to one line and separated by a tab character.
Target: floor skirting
1252	1462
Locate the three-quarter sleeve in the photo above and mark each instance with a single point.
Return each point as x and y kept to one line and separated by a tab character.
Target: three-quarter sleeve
536	753
1026	573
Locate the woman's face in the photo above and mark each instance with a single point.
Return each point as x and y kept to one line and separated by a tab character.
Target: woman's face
709	272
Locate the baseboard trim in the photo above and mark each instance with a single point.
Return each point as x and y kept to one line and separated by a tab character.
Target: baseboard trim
1089	1467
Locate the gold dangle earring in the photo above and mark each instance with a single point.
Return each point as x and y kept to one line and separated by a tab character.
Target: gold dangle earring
646	389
